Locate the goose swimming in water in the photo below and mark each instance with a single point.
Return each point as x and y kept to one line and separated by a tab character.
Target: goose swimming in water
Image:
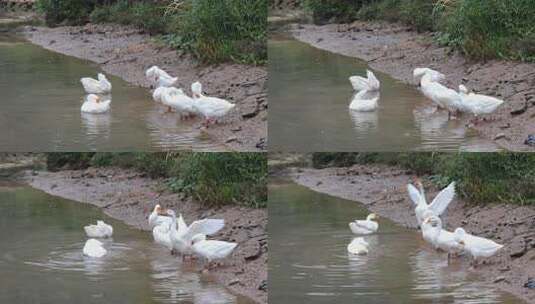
367	226
94	105
368	93
100	230
94	86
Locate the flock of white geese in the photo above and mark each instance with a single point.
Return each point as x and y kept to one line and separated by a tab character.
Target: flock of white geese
171	232
367	96
454	243
209	108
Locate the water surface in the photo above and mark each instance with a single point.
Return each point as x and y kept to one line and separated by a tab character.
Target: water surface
309	262
309	95
41	100
41	261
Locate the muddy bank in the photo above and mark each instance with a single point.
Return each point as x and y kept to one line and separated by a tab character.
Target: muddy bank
130	196
127	52
397	50
382	189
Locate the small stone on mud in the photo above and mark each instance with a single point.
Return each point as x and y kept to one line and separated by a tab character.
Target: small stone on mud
530	283
499	279
234	282
499	136
52	42
231	139
236	129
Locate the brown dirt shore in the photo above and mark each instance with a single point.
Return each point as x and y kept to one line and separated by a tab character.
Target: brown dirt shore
382	189
130	196
127	52
396	49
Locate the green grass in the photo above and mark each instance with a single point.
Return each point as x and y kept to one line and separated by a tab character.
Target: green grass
481	29
481	177
212	179
213	31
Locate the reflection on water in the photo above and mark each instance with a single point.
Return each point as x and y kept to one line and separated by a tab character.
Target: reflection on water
41	100
41	260
310	94
309	262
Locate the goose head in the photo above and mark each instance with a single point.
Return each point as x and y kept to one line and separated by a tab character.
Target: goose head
196	89
157	209
459	236
371	216
418	73
434	221
463	89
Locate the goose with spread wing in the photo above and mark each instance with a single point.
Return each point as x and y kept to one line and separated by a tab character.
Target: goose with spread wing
437	206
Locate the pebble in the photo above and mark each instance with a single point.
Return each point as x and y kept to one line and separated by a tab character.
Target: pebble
530	283
530	141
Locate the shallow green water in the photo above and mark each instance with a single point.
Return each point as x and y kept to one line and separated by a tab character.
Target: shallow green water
41	100
41	261
309	95
309	263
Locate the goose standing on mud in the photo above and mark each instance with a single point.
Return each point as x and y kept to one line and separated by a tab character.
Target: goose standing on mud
211	108
358	246
367	226
94	105
476	246
100	230
94	86
94	248
211	250
442	96
368	92
478	104
437	206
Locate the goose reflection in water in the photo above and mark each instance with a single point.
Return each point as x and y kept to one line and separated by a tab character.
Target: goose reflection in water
365	121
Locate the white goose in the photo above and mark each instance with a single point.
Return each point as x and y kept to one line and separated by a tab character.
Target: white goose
211	108
440	238
156	219
178	100
437	206
93	248
368	96
435	76
367	226
211	249
476	246
94	105
165	81
478	104
157	93
94	86
360	83
181	237
154	71
358	246
442	96
100	230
